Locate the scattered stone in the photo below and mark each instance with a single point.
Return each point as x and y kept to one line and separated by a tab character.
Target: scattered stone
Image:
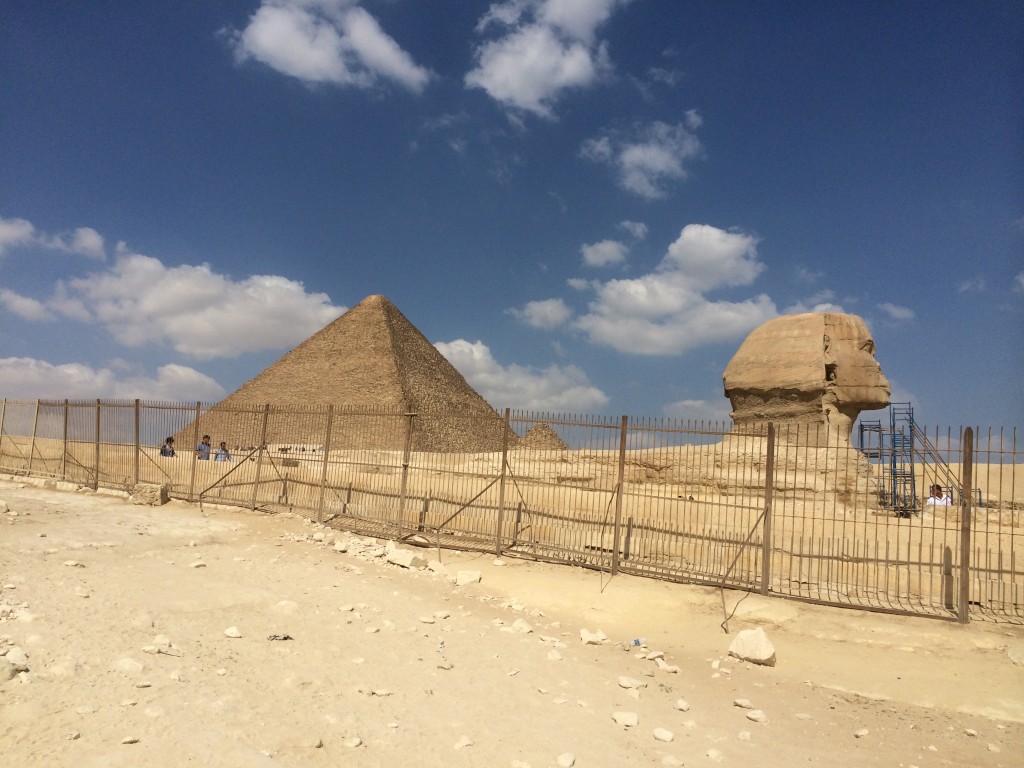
592	638
993	748
18	658
463	742
671	669
802	716
970	732
754	646
232	632
714	754
353	741
467	577
757	716
427	619
522	625
682	705
74	736
630	682
73	564
143	684
403	557
498	562
554	655
860	734
626	719
7	671
130	740
566	760
663	734
150	494
743	704
197	564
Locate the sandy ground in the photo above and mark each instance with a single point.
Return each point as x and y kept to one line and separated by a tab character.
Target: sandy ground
119	613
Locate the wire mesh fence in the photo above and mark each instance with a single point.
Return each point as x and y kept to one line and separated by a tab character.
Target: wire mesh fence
790	510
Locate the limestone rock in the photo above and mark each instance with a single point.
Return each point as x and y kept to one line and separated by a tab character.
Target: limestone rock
626	719
754	646
467	577
150	494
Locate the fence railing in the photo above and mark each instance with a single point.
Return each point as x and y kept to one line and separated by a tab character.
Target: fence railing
787	510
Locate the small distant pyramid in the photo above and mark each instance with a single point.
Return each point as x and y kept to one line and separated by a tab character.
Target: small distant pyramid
371	359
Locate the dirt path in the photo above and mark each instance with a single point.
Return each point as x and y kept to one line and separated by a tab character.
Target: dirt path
121	611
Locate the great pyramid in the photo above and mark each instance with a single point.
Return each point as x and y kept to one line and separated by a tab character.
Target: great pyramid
369	361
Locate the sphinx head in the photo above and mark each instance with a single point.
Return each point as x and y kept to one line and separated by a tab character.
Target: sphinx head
810	368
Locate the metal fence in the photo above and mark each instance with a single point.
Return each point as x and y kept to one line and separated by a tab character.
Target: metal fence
788	510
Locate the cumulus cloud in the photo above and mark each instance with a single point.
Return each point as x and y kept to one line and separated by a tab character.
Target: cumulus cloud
15	232
24	306
648	159
558	388
667	311
636	228
326	41
84	241
544	48
699	410
200	313
1018	282
28	378
604	254
546	315
896	312
822	301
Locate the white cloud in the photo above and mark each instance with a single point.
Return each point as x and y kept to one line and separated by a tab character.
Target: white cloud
699	410
896	312
14	232
1018	282
24	306
546	315
666	312
84	241
645	162
971	285
822	301
806	275
326	41
636	228
548	46
563	388
604	253
31	379
198	312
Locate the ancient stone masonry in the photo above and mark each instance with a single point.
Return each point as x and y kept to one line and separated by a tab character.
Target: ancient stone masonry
817	368
370	359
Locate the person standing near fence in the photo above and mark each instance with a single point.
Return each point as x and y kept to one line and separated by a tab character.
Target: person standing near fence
222	453
167	449
938	497
203	449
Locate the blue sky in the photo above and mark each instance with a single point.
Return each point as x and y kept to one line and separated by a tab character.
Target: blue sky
585	204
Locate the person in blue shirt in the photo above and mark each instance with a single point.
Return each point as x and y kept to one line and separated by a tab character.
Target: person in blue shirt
203	449
167	449
222	453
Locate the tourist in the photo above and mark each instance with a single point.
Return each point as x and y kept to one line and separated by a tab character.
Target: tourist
222	453
167	449
203	449
938	497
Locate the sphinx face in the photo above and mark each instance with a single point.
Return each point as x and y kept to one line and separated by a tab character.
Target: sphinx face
853	376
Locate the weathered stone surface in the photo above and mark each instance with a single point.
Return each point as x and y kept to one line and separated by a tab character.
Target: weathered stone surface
754	646
150	494
815	368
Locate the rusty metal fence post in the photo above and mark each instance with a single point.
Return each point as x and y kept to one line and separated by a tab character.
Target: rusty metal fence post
135	467
96	483
259	457
195	458
501	483
32	445
618	496
769	483
64	452
967	479
406	451
323	473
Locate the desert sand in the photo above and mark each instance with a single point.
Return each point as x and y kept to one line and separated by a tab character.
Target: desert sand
179	635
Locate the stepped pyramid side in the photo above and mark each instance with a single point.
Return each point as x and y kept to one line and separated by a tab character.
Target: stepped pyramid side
371	359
